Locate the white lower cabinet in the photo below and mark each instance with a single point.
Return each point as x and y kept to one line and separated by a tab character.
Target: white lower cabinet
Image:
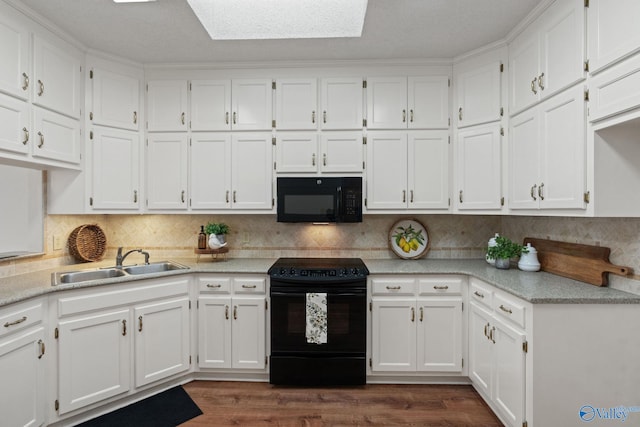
497	351
22	364
104	337
232	322
416	324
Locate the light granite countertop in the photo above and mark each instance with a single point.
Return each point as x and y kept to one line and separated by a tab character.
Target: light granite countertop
534	287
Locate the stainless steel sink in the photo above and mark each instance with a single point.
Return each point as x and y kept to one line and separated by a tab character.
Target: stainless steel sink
80	276
154	267
85	275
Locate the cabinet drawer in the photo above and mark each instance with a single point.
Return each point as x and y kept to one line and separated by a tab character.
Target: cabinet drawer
20	316
509	309
615	90
393	286
440	285
215	284
480	293
249	285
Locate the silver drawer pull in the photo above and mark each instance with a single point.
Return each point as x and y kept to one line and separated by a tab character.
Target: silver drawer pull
217	285
15	322
505	309
478	294
248	286
394	288
445	287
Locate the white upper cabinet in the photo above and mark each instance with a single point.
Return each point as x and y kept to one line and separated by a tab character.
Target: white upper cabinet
167	105
210	170
14	125
613	31
57	77
210	105
297	152
341	152
251	171
115	99
56	137
341	101
251	102
478	92
15	75
296	104
167	175
549	56
413	102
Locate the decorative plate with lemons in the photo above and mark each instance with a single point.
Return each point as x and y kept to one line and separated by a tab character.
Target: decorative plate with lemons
409	239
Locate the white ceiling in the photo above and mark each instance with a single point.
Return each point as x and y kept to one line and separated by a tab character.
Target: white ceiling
167	31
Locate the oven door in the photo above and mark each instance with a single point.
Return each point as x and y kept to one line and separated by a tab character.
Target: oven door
346	320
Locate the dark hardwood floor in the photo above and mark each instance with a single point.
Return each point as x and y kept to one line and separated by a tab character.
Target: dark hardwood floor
262	404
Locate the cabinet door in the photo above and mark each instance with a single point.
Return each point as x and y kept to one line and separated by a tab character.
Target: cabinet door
479	168
167	105
297	152
524	60
57	137
57	78
115	169
251	104
296	104
341	103
94	358
524	160
22	369
387	170
439	334
479	95
214	332
387	103
428	170
14	125
14	51
251	171
393	340
210	105
210	184
428	102
115	99
167	171
613	31
249	334
341	152
480	348
563	151
509	372
161	340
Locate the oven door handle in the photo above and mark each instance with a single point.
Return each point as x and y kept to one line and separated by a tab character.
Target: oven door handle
329	294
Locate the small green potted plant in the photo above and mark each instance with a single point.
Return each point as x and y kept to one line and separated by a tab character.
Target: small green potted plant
218	229
503	251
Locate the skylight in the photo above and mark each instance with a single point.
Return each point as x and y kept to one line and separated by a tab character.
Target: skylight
280	19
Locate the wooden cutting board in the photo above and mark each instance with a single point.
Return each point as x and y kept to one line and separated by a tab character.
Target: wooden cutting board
576	261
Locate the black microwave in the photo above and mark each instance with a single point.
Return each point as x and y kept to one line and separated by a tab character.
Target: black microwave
320	199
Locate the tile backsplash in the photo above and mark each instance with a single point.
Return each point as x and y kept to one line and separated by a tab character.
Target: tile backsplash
451	236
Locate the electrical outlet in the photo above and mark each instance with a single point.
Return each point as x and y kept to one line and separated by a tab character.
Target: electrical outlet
57	242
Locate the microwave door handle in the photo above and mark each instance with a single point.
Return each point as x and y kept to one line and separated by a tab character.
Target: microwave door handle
338	214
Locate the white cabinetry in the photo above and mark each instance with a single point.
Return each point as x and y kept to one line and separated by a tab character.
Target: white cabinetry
14	125
408	170
114	99
408	102
22	364
167	174
210	105
296	104
341	101
251	103
15	75
548	56
497	350
547	154
56	137
479	92
416	324
97	331
231	320
251	171
167	105
210	171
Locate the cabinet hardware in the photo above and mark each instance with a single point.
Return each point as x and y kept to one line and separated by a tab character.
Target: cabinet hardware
404	116
505	309
393	288
540	191
182	118
135	196
404	196
525	347
501	67
501	111
478	294
234	196
586	197
226	312
56	333
91	74
234	117
227	196
91	135
364	84
26	136
41	345
445	287
493	329
90	115
364	123
248	286
40	88
235	312
139	323
41	139
410	196
460	113
533	86
586	65
124	328
56	405
586	95
313	159
324	116
533	191
413	314
460	196
541	81
324	159
421	314
135	117
215	285
411	115
313	116
182	196
501	131
25	81
502	201
15	322
273	124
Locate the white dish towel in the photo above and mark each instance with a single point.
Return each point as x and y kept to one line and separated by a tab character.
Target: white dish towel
316	314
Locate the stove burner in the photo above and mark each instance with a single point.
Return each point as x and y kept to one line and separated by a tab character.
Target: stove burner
312	269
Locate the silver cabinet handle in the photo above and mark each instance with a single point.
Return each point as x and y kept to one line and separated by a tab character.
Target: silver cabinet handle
411	196
313	159
460	196
486	334
182	196
16	322
41	139
478	294
413	314
26	136
235	312
533	192
41	345
216	285
541	81
404	196
25	81
324	116
540	191
234	196
324	159
226	312
533	86
411	115
248	286
135	196
421	314
493	329
226	118
135	117
313	116
124	328
393	288
404	116
443	288
460	113
40	88
234	117
227	196
139	323
505	309
182	118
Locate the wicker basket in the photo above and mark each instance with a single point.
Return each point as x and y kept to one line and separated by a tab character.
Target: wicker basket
87	243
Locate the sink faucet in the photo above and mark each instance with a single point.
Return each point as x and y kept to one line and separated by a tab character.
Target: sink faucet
120	258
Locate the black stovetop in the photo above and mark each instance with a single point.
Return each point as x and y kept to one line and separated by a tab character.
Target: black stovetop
325	268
